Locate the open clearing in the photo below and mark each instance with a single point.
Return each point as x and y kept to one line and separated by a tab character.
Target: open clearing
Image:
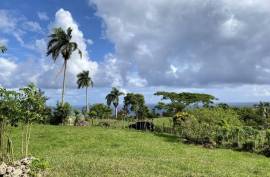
95	151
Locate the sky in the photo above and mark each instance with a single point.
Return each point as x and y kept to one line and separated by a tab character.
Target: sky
143	46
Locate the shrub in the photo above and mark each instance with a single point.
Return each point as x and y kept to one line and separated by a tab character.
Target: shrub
193	130
100	111
217	116
181	117
38	166
207	125
61	113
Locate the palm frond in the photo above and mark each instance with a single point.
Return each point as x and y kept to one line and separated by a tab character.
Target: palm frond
3	48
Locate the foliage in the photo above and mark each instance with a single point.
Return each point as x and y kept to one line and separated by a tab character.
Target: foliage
60	44
179	101
84	80
26	105
252	117
100	111
33	104
223	106
181	117
135	103
37	166
113	98
61	113
9	115
3	48
217	116
200	126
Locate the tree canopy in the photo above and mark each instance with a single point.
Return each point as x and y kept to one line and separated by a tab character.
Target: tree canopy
135	103
179	101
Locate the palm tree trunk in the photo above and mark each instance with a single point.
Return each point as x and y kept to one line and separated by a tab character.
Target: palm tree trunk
115	112
64	82
86	100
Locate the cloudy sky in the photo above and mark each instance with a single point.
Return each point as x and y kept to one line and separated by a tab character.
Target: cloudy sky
207	46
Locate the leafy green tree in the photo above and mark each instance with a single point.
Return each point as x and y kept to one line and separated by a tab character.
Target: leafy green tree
84	80
263	109
33	105
179	101
100	111
61	113
3	48
60	43
113	98
9	114
135	103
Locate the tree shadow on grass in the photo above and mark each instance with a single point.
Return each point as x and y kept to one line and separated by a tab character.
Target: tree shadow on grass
168	137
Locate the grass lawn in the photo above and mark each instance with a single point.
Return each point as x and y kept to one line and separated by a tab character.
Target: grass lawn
94	151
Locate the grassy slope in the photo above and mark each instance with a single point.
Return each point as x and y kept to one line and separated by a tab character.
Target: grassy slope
90	151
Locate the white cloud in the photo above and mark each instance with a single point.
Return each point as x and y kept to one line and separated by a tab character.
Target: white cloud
7	67
52	71
41	69
32	26
4	41
89	42
135	81
208	43
43	16
17	25
109	73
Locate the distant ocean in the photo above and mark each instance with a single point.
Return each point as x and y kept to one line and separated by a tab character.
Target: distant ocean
151	106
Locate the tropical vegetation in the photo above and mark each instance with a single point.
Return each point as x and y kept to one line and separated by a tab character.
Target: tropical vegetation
169	142
60	44
84	80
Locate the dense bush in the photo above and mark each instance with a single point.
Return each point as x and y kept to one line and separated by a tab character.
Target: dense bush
203	125
100	111
217	116
61	113
221	127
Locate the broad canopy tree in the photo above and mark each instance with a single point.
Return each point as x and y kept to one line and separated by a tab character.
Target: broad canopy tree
177	102
136	103
60	43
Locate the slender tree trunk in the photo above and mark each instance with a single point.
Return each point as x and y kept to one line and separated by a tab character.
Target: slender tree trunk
115	112
64	82
86	100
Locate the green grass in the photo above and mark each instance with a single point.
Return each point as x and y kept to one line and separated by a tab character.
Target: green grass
94	151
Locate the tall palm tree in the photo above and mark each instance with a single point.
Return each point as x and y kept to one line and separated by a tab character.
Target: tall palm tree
60	43
113	98
3	48
84	80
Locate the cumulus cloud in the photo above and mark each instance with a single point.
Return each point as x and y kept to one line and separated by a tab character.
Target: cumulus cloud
41	69
188	43
52	71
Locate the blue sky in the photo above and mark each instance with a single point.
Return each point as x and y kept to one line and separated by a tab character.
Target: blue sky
90	24
144	46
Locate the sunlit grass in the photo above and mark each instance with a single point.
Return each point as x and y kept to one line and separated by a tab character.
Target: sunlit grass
94	151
